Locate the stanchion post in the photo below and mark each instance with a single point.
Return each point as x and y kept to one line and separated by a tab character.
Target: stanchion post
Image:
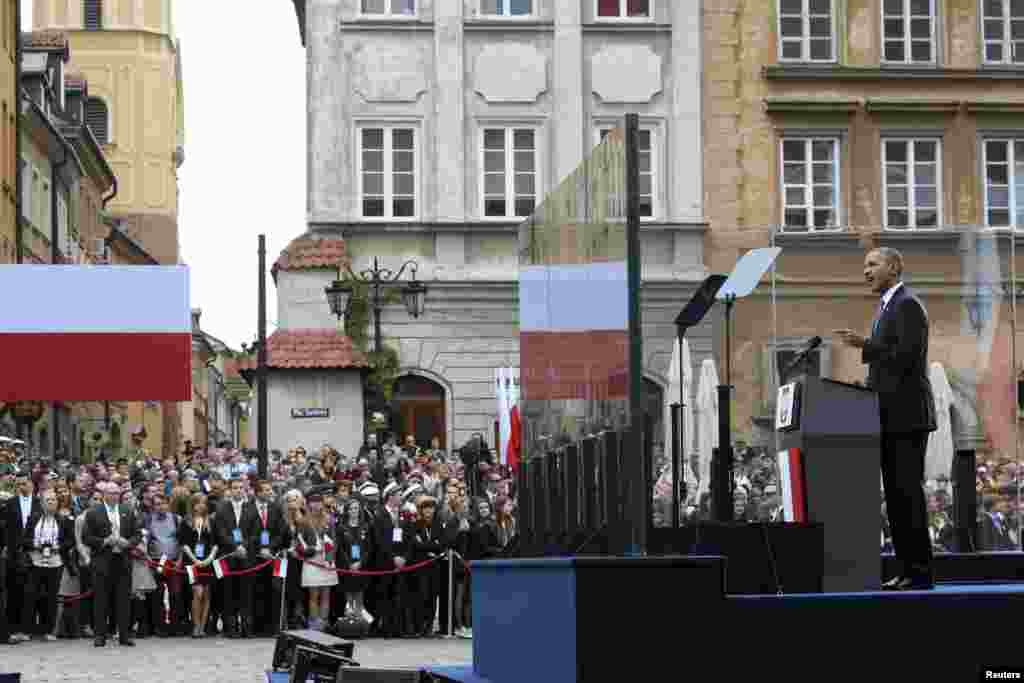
451	593
284	593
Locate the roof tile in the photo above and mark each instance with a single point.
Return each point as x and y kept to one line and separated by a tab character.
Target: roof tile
310	253
328	349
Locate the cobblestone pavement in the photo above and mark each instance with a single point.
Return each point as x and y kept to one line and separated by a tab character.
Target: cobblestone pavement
213	660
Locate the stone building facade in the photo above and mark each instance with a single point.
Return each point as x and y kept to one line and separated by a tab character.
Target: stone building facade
432	133
9	33
836	125
128	51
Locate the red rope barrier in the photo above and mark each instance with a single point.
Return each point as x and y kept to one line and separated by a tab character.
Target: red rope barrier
384	572
74	598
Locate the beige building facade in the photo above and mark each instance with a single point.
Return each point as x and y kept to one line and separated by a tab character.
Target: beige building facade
835	125
128	52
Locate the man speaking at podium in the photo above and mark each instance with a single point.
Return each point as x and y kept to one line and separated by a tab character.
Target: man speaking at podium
896	354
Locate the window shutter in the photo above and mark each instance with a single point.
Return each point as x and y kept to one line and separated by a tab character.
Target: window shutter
93	15
97	119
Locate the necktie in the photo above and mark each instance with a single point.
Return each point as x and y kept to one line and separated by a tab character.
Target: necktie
878	316
263	515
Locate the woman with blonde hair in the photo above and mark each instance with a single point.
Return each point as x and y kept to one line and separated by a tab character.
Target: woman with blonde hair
316	539
200	550
294	517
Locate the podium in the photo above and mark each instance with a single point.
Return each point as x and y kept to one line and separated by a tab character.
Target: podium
830	473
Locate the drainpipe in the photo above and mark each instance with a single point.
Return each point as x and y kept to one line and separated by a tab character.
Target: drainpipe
54	227
18	249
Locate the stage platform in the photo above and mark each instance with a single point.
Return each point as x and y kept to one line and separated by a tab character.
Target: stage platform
950	633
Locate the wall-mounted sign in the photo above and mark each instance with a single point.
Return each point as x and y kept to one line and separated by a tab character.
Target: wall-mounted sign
310	412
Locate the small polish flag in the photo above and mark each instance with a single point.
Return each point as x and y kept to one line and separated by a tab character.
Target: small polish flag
220	568
164	567
281	568
192	573
328	545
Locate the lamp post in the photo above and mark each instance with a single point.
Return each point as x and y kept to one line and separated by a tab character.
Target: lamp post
414	294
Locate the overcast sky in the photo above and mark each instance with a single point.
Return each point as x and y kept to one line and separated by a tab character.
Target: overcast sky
245	152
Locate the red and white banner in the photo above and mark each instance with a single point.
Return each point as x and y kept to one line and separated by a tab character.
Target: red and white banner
95	333
506	383
192	573
281	568
792	483
165	566
220	568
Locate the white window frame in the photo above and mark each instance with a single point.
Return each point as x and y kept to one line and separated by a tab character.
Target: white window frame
911	184
805	37
507	15
388	14
651	9
655	130
907	40
388	127
1013	199
837	187
1009	56
510	194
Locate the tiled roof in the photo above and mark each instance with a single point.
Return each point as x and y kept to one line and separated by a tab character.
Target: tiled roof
327	349
46	40
310	253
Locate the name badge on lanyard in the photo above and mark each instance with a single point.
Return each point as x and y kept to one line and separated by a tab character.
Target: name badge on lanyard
237	535
396	535
47	552
200	550
264	538
356	553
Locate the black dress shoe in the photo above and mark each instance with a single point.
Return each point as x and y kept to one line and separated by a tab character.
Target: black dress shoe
892	584
100	642
127	642
915	583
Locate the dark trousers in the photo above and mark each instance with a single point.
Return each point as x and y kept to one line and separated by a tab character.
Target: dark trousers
429	579
113	587
903	481
85	606
443	594
265	601
41	597
16	580
237	601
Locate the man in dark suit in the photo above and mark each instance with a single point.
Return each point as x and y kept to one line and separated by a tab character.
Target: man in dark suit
896	354
391	548
231	525
267	538
16	514
110	531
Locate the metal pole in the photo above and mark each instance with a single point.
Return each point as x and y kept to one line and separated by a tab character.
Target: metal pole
284	590
676	475
261	360
637	502
376	306
723	489
451	593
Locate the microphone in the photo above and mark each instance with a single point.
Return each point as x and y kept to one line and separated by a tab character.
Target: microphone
812	343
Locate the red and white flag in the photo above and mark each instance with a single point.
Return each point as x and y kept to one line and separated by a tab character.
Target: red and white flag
220	568
164	566
515	427
281	568
328	545
89	321
791	480
192	572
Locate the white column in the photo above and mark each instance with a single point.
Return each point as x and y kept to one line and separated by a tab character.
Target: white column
567	90
686	157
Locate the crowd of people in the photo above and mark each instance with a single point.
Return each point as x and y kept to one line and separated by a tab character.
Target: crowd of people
365	543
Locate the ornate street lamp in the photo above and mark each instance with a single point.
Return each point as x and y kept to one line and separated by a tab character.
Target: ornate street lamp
414	294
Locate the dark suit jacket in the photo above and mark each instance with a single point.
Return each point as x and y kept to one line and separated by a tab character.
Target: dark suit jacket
97	528
224	525
275	526
897	360
14	530
385	550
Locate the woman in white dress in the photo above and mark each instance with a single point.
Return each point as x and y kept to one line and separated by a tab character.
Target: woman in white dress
317	545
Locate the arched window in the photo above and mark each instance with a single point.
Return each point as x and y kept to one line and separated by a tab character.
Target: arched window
97	117
92	14
419	405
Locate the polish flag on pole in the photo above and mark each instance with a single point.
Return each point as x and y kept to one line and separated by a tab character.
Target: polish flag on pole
192	573
220	568
281	568
791	479
515	433
107	333
501	389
